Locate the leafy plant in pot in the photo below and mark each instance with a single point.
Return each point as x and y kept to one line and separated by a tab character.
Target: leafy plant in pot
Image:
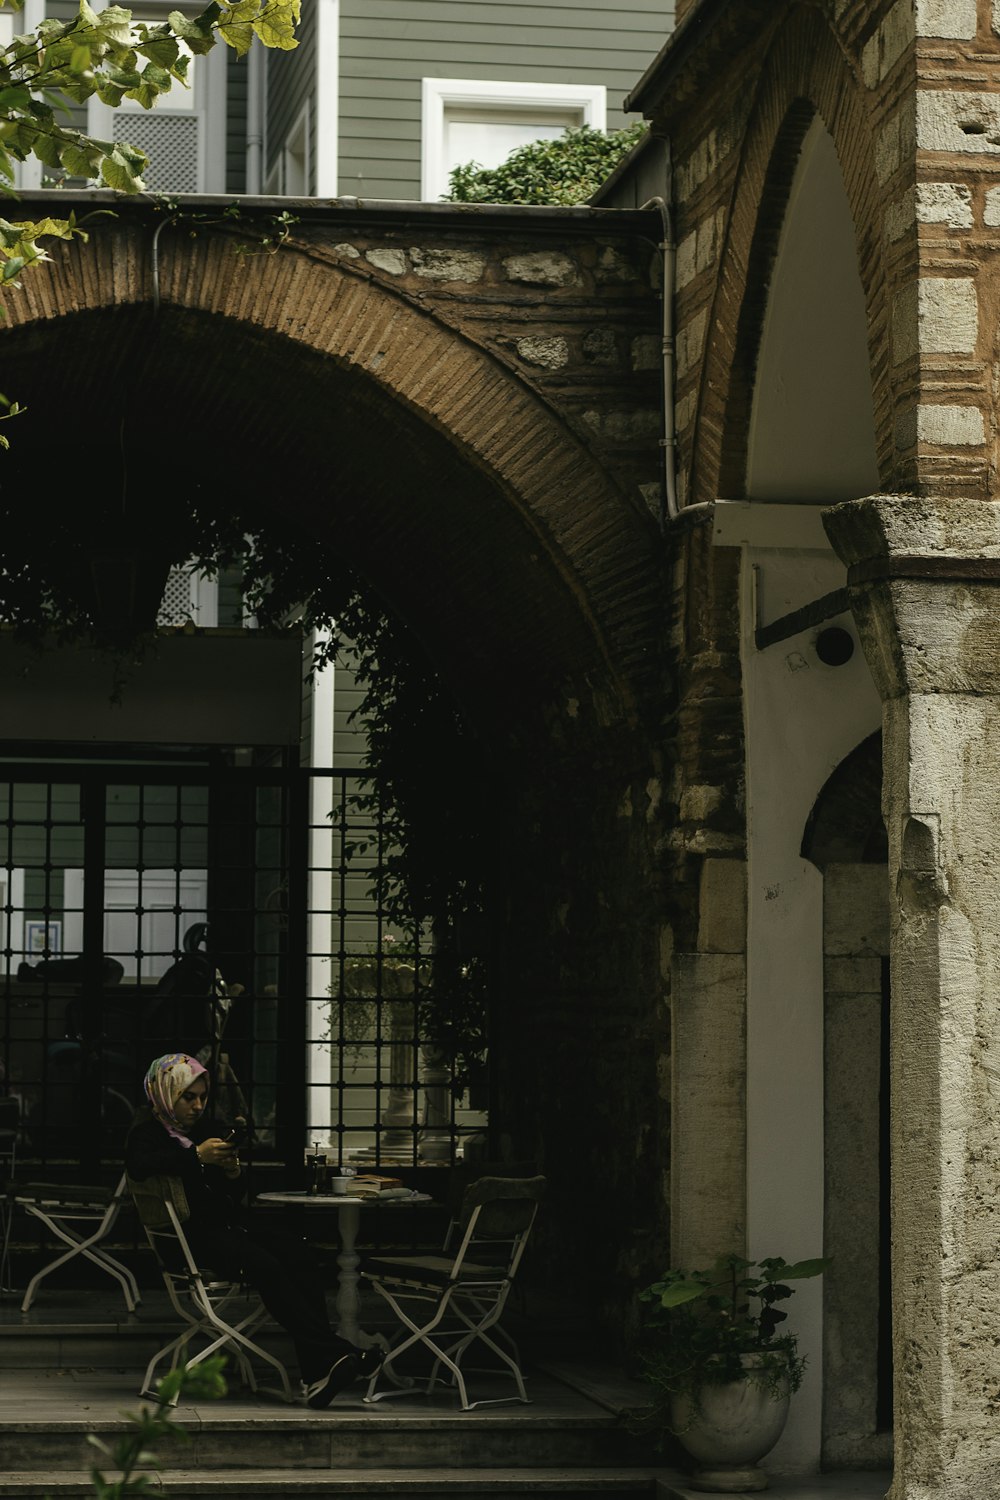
721	1372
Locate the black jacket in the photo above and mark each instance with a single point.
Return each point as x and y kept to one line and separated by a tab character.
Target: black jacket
213	1198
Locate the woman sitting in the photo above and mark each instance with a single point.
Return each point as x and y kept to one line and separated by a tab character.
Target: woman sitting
168	1138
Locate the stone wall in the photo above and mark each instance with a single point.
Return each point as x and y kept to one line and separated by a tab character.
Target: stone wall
574	316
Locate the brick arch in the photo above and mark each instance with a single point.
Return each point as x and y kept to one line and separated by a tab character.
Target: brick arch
528	572
548	509
804	73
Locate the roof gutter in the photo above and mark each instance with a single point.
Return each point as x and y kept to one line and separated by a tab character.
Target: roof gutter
673	55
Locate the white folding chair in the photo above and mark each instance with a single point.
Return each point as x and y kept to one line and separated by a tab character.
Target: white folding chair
81	1217
206	1305
448	1303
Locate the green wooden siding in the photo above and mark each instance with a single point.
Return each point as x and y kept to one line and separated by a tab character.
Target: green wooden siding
290	83
388	46
350	743
236	123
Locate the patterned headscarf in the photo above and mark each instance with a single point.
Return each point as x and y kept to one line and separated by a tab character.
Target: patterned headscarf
167	1079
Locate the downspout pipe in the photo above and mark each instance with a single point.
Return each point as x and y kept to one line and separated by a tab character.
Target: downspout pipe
255	120
670	509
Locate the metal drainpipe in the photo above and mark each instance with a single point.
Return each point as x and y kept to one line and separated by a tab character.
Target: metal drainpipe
255	120
671	509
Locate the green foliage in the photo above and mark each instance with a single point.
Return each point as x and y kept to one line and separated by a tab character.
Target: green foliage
567	170
108	54
427	800
700	1324
136	1448
424	809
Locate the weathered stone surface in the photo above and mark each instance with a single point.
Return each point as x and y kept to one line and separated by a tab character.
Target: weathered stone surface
698	803
856	909
393	261
542	268
852	1079
934	647
612	265
600	347
548	354
856	973
900	215
950	426
935	316
944	203
722	906
958	121
888	43
447	264
348	252
623	426
946	18
690	342
647	352
708	1173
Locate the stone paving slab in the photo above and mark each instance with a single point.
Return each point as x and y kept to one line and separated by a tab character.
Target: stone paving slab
511	1483
843	1485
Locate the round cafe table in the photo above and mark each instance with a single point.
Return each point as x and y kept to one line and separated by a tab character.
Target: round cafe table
348	1208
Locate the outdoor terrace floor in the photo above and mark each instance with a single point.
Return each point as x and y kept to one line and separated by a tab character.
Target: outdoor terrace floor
72	1365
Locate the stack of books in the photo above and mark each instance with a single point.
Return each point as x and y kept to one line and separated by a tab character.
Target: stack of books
372	1185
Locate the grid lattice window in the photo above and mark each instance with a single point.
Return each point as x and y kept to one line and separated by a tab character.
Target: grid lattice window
128	894
170	142
176	604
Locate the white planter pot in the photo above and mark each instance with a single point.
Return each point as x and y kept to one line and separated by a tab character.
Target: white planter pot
728	1428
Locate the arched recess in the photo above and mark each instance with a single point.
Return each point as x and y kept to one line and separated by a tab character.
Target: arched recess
531	578
845	838
365	415
811	436
804	74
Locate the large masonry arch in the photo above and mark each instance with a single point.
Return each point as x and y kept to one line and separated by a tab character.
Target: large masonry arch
404	367
499	505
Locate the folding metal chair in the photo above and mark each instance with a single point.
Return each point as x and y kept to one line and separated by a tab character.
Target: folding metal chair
68	1211
462	1296
206	1305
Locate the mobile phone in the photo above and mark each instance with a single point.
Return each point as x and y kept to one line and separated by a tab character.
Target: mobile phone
237	1133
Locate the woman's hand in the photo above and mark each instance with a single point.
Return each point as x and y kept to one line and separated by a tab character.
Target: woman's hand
216	1152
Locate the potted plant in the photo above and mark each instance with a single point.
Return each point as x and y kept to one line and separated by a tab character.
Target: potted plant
721	1371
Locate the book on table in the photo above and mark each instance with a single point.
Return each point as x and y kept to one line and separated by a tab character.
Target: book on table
372	1185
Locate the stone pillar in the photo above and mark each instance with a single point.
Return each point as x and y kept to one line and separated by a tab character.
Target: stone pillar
708	1063
925	588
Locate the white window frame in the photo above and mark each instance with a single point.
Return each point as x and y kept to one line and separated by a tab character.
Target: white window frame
299	133
327	96
438	94
28	174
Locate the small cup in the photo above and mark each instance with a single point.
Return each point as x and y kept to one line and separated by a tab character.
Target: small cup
338	1185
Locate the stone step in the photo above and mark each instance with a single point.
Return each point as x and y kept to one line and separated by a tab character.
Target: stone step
376	1437
510	1483
106	1346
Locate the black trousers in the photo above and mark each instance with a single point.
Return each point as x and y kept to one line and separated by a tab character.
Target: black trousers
283	1270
